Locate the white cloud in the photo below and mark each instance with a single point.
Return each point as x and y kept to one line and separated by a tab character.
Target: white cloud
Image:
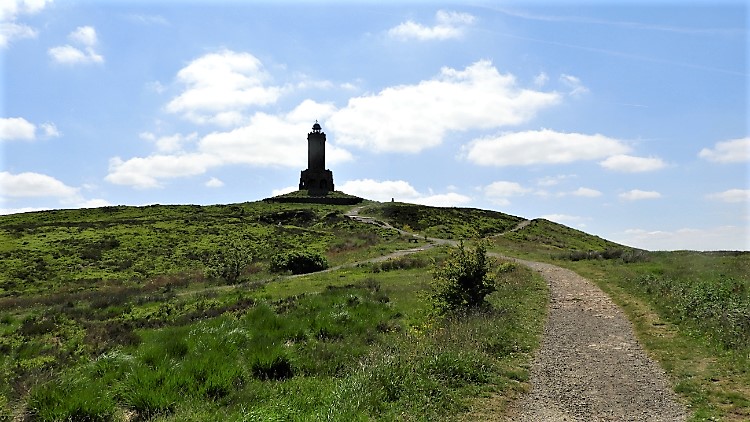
49	130
448	25
16	128
10	10
541	79
450	199
704	239
401	191
20	129
144	173
219	86
631	164
11	31
636	195
93	203
170	143
554	180
411	118
732	151
284	190
86	37
562	218
586	192
29	185
7	211
214	183
270	140
381	190
574	85
541	147
498	192
732	195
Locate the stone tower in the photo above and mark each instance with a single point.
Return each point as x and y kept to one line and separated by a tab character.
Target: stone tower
316	180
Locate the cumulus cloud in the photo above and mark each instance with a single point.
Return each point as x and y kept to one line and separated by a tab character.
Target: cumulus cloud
499	192
411	118
448	25
273	140
401	191
732	151
284	190
169	143
265	141
541	147
34	185
220	86
586	192
563	218
93	203
701	239
20	129
147	172
732	195
554	180
631	164
214	183
10	12
84	51
637	195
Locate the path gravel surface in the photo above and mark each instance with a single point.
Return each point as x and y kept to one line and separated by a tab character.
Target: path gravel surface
590	367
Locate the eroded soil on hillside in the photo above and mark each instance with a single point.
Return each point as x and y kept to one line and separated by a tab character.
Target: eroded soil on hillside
590	366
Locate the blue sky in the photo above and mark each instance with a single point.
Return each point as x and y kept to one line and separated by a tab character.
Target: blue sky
628	120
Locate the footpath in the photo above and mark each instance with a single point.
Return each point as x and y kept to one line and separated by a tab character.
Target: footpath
590	366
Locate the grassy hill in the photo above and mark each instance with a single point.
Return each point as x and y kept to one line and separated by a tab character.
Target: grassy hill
118	313
129	313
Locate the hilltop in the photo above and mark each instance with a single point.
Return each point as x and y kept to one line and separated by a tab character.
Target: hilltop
135	244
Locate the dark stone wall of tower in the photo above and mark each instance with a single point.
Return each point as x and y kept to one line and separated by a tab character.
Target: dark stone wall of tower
316	180
316	151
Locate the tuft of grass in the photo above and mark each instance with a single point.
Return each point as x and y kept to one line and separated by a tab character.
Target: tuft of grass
341	353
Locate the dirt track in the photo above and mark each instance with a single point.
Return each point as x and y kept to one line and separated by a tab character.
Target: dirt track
590	367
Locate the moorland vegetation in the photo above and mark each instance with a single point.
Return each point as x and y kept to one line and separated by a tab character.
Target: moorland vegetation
220	313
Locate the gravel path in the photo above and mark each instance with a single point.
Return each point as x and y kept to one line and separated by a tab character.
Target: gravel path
590	367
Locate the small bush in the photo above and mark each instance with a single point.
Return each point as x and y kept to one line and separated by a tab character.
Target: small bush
229	262
463	282
298	262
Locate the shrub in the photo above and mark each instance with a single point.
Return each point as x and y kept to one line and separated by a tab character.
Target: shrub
463	282
298	262
229	262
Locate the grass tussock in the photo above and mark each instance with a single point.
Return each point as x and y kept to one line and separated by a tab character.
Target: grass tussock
342	353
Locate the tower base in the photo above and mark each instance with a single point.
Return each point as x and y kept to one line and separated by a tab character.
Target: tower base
316	182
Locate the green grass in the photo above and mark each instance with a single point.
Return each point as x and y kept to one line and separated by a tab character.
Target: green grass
362	347
691	311
108	314
445	223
